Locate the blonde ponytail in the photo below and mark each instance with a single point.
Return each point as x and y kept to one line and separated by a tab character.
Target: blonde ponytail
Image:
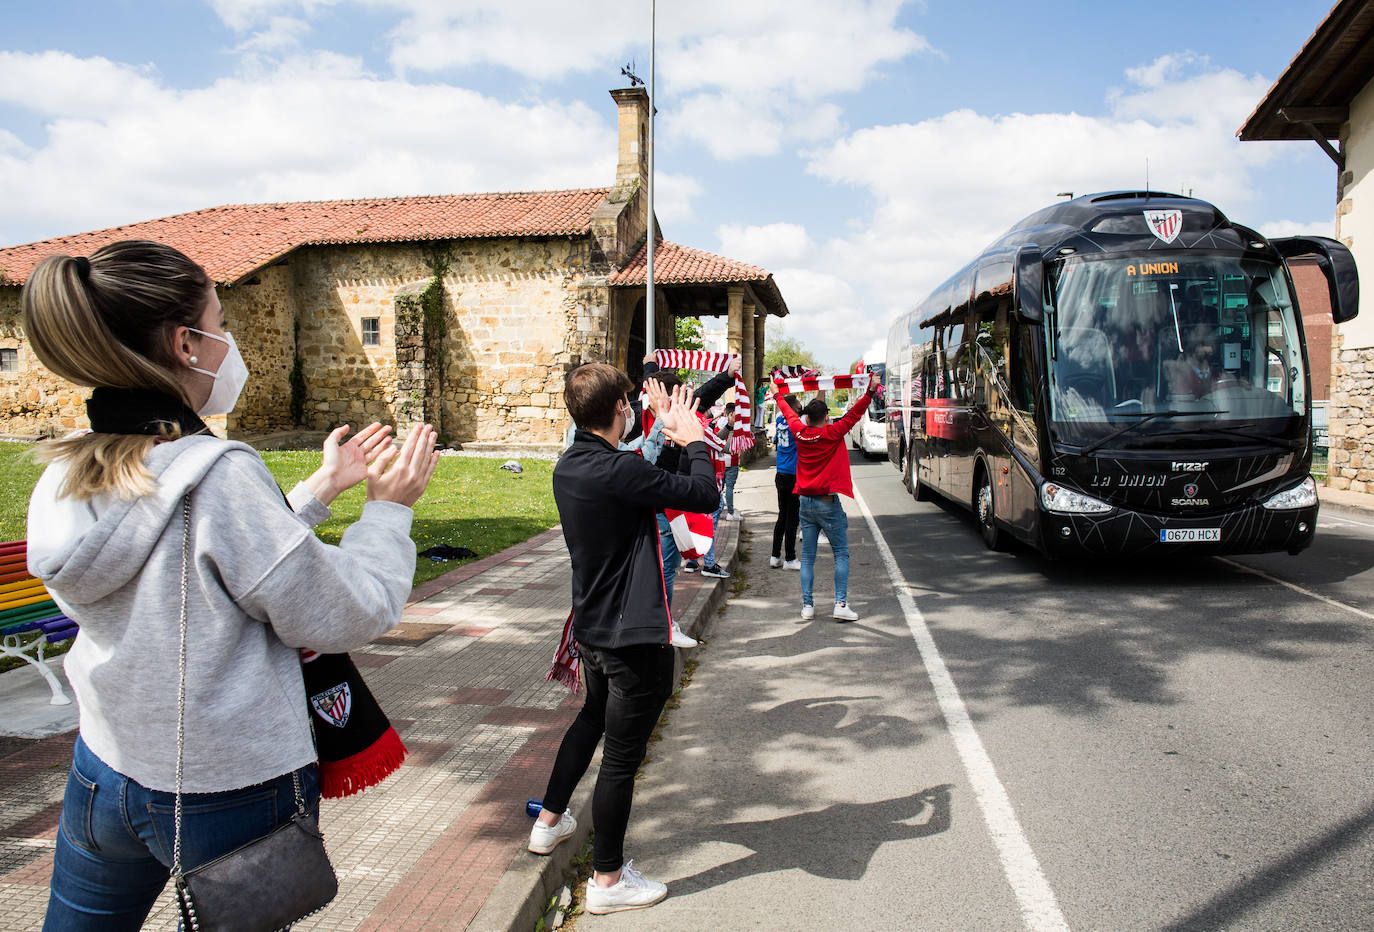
107	321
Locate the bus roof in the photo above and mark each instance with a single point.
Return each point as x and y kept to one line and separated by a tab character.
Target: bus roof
1107	222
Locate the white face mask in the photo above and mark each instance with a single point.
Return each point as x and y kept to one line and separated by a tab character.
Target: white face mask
629	422
229	380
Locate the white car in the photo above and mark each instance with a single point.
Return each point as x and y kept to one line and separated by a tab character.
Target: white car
869	436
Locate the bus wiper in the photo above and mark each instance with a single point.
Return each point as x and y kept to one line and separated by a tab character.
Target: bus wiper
1269	439
1145	418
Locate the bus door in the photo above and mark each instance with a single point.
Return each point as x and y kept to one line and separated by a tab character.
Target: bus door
952	434
1008	417
925	425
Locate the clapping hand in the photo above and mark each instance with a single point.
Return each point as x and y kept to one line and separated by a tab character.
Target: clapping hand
681	425
401	476
345	464
660	401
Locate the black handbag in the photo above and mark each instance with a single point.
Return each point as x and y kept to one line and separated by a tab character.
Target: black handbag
266	884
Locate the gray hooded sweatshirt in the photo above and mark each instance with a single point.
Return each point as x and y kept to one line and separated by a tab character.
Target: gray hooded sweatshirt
261	585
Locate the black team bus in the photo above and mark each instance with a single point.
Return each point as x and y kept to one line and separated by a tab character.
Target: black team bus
1120	373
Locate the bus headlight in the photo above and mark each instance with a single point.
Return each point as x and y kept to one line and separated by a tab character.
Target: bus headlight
1302	495
1069	502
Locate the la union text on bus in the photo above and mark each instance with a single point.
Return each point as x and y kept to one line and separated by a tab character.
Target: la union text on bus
1120	373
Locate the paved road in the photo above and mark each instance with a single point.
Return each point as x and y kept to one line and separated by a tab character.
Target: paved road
1187	745
1173	745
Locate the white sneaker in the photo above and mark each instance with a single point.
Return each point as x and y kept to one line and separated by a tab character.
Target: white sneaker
808	612
632	891
544	838
735	516
844	613
793	564
775	562
678	639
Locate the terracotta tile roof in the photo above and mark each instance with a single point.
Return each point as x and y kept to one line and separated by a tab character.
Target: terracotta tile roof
682	265
234	240
674	264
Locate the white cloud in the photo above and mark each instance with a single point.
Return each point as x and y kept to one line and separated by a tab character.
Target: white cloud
1277	228
673	194
771	246
741	79
311	127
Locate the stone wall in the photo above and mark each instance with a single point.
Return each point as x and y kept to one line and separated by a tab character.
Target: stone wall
1351	463
33	402
262	316
521	312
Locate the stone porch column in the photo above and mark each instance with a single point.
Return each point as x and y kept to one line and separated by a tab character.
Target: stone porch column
747	368
760	337
735	331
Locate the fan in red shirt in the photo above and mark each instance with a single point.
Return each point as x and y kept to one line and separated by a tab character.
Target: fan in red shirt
822	477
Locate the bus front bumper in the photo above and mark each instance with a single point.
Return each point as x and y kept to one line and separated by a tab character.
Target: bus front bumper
1253	529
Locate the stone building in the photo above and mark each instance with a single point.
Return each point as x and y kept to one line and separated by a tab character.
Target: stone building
1326	95
464	311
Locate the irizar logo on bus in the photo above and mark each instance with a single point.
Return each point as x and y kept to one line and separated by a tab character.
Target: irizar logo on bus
1177	466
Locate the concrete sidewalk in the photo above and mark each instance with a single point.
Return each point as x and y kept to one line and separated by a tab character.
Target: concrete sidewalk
440	844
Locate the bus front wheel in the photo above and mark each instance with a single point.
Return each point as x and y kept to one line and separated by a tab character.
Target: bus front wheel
987	514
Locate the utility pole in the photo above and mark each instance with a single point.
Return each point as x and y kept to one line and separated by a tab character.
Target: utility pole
649	255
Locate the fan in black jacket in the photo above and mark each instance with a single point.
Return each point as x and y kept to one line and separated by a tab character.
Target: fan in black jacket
607	501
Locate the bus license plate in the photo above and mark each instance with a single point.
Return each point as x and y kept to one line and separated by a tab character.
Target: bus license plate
1189	535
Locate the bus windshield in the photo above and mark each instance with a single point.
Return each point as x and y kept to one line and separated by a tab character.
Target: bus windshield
1177	344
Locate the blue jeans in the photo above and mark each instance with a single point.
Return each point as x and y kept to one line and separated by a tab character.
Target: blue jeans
710	558
668	550
114	839
731	474
818	515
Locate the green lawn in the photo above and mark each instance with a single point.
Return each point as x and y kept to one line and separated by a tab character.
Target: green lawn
470	502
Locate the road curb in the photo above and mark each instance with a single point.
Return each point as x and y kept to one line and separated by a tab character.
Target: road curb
531	881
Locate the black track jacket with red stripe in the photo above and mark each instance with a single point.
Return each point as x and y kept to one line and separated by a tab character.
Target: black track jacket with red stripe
607	502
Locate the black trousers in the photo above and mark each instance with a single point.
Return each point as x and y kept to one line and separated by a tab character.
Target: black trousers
626	691
789	511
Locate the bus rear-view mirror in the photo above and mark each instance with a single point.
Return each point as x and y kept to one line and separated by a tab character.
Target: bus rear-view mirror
1030	284
1336	263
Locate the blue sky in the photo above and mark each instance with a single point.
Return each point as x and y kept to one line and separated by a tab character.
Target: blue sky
861	151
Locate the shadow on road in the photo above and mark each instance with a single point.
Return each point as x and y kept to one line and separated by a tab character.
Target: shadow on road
835	843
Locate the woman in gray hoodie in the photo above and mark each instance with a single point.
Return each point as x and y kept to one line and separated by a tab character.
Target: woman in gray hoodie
141	324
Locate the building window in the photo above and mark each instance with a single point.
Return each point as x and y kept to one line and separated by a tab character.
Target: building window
9	360
372	331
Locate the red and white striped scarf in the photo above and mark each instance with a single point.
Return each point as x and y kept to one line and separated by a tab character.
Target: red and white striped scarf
742	435
819	383
791	372
567	660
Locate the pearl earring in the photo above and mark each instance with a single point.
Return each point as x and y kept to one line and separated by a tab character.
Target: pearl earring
194	360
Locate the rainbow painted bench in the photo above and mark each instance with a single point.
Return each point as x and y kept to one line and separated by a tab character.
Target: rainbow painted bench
29	619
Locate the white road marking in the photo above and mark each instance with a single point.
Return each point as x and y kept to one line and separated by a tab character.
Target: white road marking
1328	518
1296	588
1039	909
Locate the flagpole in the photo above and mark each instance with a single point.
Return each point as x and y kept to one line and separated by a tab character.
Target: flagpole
649	331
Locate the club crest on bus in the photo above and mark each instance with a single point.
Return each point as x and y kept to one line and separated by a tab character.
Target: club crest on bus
1166	224
334	704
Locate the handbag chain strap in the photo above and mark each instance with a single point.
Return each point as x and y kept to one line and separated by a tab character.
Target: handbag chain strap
181	691
181	678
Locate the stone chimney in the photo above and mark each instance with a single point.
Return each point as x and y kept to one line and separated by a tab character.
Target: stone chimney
633	165
619	223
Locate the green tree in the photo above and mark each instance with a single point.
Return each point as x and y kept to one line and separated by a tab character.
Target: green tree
787	351
688	333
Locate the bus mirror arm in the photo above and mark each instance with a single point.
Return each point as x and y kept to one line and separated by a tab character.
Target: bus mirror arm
1030	283
1336	263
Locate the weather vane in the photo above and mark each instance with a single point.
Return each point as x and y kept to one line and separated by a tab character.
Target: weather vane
628	70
